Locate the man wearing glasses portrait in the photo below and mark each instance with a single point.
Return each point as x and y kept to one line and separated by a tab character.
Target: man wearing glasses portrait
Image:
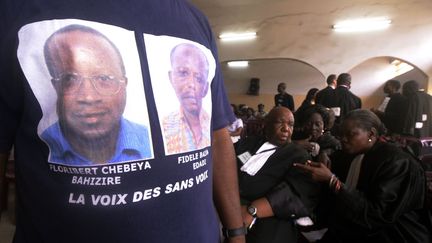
89	78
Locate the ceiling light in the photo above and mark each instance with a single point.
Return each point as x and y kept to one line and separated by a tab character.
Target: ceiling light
237	36
359	25
238	64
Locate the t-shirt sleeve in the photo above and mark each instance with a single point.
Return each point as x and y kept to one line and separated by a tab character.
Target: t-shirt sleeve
222	114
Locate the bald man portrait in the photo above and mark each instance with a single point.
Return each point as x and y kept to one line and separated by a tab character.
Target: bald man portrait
89	78
188	128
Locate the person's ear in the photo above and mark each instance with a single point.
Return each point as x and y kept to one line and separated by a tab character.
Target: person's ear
373	133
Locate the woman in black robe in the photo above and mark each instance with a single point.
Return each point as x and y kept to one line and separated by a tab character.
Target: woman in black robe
376	193
312	132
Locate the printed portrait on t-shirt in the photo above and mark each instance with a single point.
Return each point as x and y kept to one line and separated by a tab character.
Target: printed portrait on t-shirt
181	72
87	79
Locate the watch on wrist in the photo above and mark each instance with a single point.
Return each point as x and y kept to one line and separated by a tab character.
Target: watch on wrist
229	233
252	210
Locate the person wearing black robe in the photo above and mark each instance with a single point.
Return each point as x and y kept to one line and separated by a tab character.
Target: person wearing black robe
393	115
418	116
395	110
283	98
377	191
261	189
311	131
325	96
344	98
308	101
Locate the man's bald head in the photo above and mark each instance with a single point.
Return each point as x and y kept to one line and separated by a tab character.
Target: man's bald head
278	125
58	42
188	76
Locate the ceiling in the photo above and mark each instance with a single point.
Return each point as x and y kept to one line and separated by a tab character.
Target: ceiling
300	30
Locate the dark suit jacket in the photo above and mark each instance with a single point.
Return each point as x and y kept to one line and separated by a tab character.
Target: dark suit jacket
419	107
346	100
395	112
325	97
291	193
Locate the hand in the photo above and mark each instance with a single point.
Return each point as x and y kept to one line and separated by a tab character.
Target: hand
310	147
306	144
318	171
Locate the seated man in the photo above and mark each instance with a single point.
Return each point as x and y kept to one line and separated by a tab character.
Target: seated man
273	193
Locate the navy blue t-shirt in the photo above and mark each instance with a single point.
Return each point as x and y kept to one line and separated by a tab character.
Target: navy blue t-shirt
105	75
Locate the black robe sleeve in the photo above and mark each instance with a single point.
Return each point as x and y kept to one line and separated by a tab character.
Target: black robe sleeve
297	195
385	204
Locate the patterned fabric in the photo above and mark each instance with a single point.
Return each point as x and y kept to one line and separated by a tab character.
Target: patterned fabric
178	135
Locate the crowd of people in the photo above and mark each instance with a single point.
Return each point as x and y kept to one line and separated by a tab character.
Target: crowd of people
335	169
405	113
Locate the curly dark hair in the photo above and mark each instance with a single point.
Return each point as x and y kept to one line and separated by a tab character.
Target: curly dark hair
303	116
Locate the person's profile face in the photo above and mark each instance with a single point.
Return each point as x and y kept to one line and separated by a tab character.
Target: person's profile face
90	85
188	77
354	138
281	127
